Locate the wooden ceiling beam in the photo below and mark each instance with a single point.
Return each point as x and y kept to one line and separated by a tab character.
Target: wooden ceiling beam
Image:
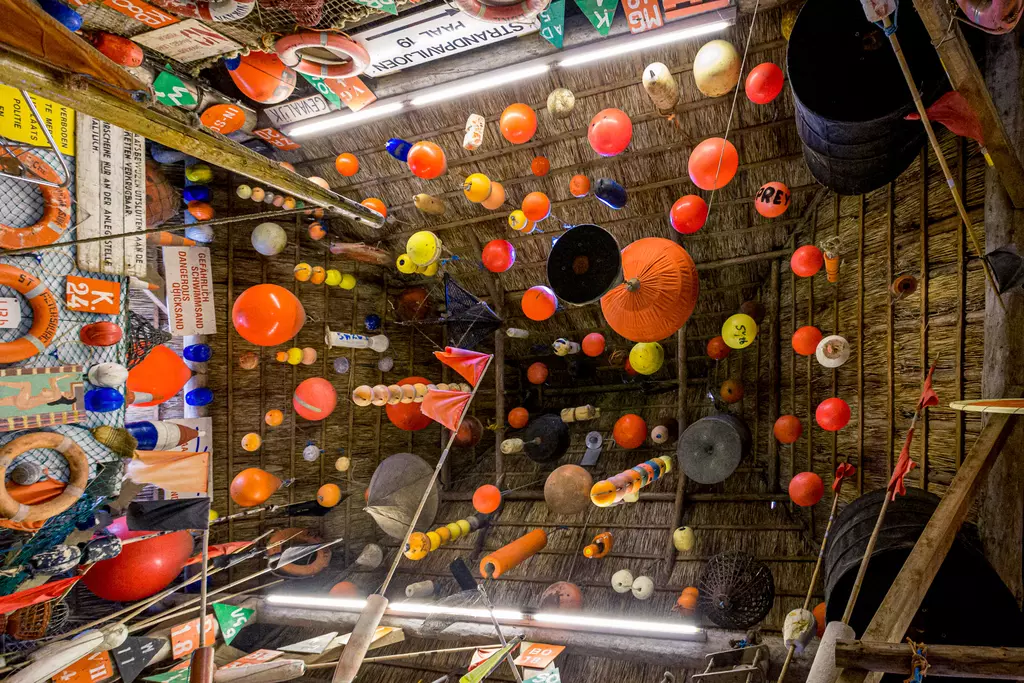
940	19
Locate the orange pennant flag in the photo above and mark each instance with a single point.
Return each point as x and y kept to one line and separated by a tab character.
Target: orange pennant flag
172	470
470	364
445	407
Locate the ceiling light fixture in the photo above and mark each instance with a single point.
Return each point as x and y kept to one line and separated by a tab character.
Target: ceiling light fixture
616	48
472	85
330	122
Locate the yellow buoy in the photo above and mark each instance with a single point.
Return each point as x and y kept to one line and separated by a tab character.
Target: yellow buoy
302	271
348	280
647	357
423	248
251	442
716	68
294	356
518	221
333	277
477	187
683	539
405	264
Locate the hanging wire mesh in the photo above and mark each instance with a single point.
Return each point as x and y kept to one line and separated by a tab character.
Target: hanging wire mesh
468	319
142	337
736	590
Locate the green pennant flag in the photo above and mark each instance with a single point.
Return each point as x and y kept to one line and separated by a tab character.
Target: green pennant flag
170	90
490	664
178	676
380	5
601	13
549	676
324	90
552	22
231	619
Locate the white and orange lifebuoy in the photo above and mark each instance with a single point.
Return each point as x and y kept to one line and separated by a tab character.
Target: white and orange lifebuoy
78	467
210	10
520	11
303	52
320	560
56	208
44	315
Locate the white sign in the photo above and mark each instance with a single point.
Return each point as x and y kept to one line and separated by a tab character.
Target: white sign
187	41
297	110
190	306
111	196
10	313
434	33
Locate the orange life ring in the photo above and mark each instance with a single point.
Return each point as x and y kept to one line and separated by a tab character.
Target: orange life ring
78	466
320	560
521	11
347	59
56	208
44	315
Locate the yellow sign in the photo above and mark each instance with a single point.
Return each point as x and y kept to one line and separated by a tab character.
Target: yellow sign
18	124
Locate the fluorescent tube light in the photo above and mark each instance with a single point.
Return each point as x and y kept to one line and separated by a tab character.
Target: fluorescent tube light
472	85
332	121
618	624
634	44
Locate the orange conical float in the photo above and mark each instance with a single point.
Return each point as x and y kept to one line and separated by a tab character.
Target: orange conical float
264	78
162	374
253	486
659	292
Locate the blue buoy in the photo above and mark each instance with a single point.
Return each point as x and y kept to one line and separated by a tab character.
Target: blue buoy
399	149
71	19
199	397
232	63
197	353
611	193
372	322
196	193
165	155
103	400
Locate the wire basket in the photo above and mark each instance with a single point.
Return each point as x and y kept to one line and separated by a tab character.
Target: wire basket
736	590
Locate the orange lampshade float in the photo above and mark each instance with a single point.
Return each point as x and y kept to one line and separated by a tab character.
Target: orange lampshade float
262	77
408	416
427	160
518	417
314	398
704	164
267	315
539	303
593	344
630	431
518	123
659	292
805	340
537	373
253	486
161	373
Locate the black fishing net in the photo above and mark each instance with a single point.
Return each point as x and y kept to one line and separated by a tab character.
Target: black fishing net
142	337
468	319
736	590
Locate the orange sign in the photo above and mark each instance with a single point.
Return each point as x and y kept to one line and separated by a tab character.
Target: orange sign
185	637
93	296
223	118
643	15
352	91
138	10
677	9
257	657
92	669
537	655
277	139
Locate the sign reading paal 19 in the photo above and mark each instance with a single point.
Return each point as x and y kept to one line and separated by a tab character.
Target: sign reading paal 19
434	33
189	283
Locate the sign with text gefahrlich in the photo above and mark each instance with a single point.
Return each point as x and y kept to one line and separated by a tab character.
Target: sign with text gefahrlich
433	33
189	283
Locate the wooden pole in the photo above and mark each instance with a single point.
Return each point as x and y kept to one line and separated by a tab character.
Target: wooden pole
956	661
154	124
774	393
682	374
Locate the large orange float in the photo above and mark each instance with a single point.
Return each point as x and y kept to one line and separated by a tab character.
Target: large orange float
351	59
56	208
44	315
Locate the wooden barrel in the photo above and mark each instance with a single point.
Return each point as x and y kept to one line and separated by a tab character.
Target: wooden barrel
965	588
850	96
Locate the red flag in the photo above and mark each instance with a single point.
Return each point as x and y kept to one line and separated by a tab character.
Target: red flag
903	467
33	596
445	407
953	111
469	364
221	549
928	397
844	470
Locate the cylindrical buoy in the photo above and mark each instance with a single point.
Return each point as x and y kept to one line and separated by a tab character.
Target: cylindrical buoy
512	555
661	87
420	589
823	669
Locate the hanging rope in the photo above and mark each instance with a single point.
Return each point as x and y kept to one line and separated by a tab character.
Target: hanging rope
918	662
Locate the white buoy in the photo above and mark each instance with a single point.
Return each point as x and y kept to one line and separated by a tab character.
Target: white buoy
263	672
823	669
420	589
378	343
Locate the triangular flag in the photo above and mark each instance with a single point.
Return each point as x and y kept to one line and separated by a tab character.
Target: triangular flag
32	596
220	549
231	619
170	90
321	87
445	407
312	646
490	664
552	23
175	676
92	668
387	6
169	515
134	655
470	364
601	13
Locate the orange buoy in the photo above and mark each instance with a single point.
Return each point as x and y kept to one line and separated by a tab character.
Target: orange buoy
518	417
788	429
486	499
805	340
593	344
717	348
539	303
518	123
264	78
512	555
731	391
346	164
806	489
630	431
540	166
705	170
375	204
253	486
537	373
579	186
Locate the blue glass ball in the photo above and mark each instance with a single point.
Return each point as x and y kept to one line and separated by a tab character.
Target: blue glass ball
103	400
398	148
199	397
197	353
372	322
196	193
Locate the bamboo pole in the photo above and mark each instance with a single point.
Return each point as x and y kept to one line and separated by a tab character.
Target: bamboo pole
922	285
682	375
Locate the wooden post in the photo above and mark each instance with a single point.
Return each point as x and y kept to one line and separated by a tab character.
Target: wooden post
773	377
901	603
956	661
683	374
860	348
922	285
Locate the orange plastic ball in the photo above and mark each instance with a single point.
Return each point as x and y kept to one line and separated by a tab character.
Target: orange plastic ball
806	261
805	340
579	186
201	211
593	344
347	164
539	303
819	618
314	398
688	214
375	205
267	315
518	123
253	486
486	499
345	589
408	416
832	414
328	495
718	349
764	83
788	429
772	200
731	391
610	132
518	417
703	165
540	166
806	489
426	160
630	431
286	166
316	231
274	417
537	373
536	206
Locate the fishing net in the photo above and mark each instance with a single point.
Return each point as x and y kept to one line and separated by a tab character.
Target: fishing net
142	337
395	491
736	590
468	319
